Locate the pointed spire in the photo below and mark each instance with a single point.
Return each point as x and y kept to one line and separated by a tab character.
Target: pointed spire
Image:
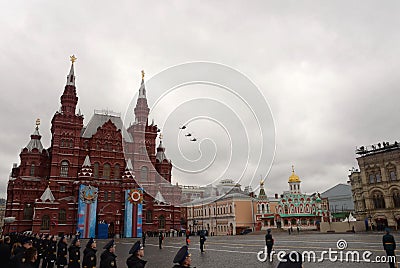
128	170
47	195
71	75
142	90
87	163
159	198
129	165
262	194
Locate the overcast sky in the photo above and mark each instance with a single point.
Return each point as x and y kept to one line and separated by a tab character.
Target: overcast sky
329	71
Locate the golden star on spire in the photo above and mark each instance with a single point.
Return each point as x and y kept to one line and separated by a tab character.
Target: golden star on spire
142	74
72	58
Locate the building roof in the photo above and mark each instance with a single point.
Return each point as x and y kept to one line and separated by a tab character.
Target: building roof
294	177
338	190
35	142
47	195
159	198
160	156
99	119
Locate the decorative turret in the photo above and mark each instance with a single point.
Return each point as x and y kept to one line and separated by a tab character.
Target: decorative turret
86	171
163	164
294	183
261	194
128	171
35	142
47	195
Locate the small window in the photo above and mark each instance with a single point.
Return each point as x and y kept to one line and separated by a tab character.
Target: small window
64	169
62	188
116	171
45	223
112	196
106	171
378	178
32	171
62	216
105	196
393	176
371	178
96	170
144	173
149	216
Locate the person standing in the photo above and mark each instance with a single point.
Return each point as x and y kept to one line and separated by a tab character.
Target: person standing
389	245
135	260
160	239
5	252
62	253
182	258
202	240
51	252
108	257
187	237
144	239
89	254
30	258
75	254
269	242
19	257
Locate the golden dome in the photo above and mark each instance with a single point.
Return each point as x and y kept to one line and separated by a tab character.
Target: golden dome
294	177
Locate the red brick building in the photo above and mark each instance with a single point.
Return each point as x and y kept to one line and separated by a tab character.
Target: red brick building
43	191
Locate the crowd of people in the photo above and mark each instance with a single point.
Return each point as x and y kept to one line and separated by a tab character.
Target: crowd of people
46	251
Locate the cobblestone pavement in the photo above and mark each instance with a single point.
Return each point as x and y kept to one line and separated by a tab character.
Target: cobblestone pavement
241	251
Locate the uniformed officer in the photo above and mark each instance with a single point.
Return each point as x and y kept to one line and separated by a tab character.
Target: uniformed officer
182	258
45	245
75	254
135	260
30	258
160	240
389	245
269	242
51	252
19	257
62	253
202	240
89	254
108	257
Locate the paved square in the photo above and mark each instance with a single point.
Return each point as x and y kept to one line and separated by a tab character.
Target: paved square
241	251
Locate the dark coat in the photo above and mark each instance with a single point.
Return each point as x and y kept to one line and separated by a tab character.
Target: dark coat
18	258
269	241
62	254
108	260
51	251
5	254
89	258
388	243
135	262
74	257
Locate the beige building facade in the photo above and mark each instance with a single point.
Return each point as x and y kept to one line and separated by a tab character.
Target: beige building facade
376	185
222	215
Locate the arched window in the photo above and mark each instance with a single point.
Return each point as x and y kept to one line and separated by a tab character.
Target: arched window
144	173
393	175
116	171
32	172
64	169
161	222
62	216
396	199
96	170
106	171
105	196
149	216
379	200
112	196
45	223
262	208
28	212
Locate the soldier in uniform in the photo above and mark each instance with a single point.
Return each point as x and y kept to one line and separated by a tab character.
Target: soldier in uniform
45	244
108	257
89	254
182	258
30	258
51	252
62	253
5	252
75	254
19	257
202	240
389	245
269	242
135	260
160	239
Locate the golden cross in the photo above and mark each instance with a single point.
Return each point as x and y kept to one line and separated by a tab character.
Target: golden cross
72	58
142	74
293	168
161	136
37	122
